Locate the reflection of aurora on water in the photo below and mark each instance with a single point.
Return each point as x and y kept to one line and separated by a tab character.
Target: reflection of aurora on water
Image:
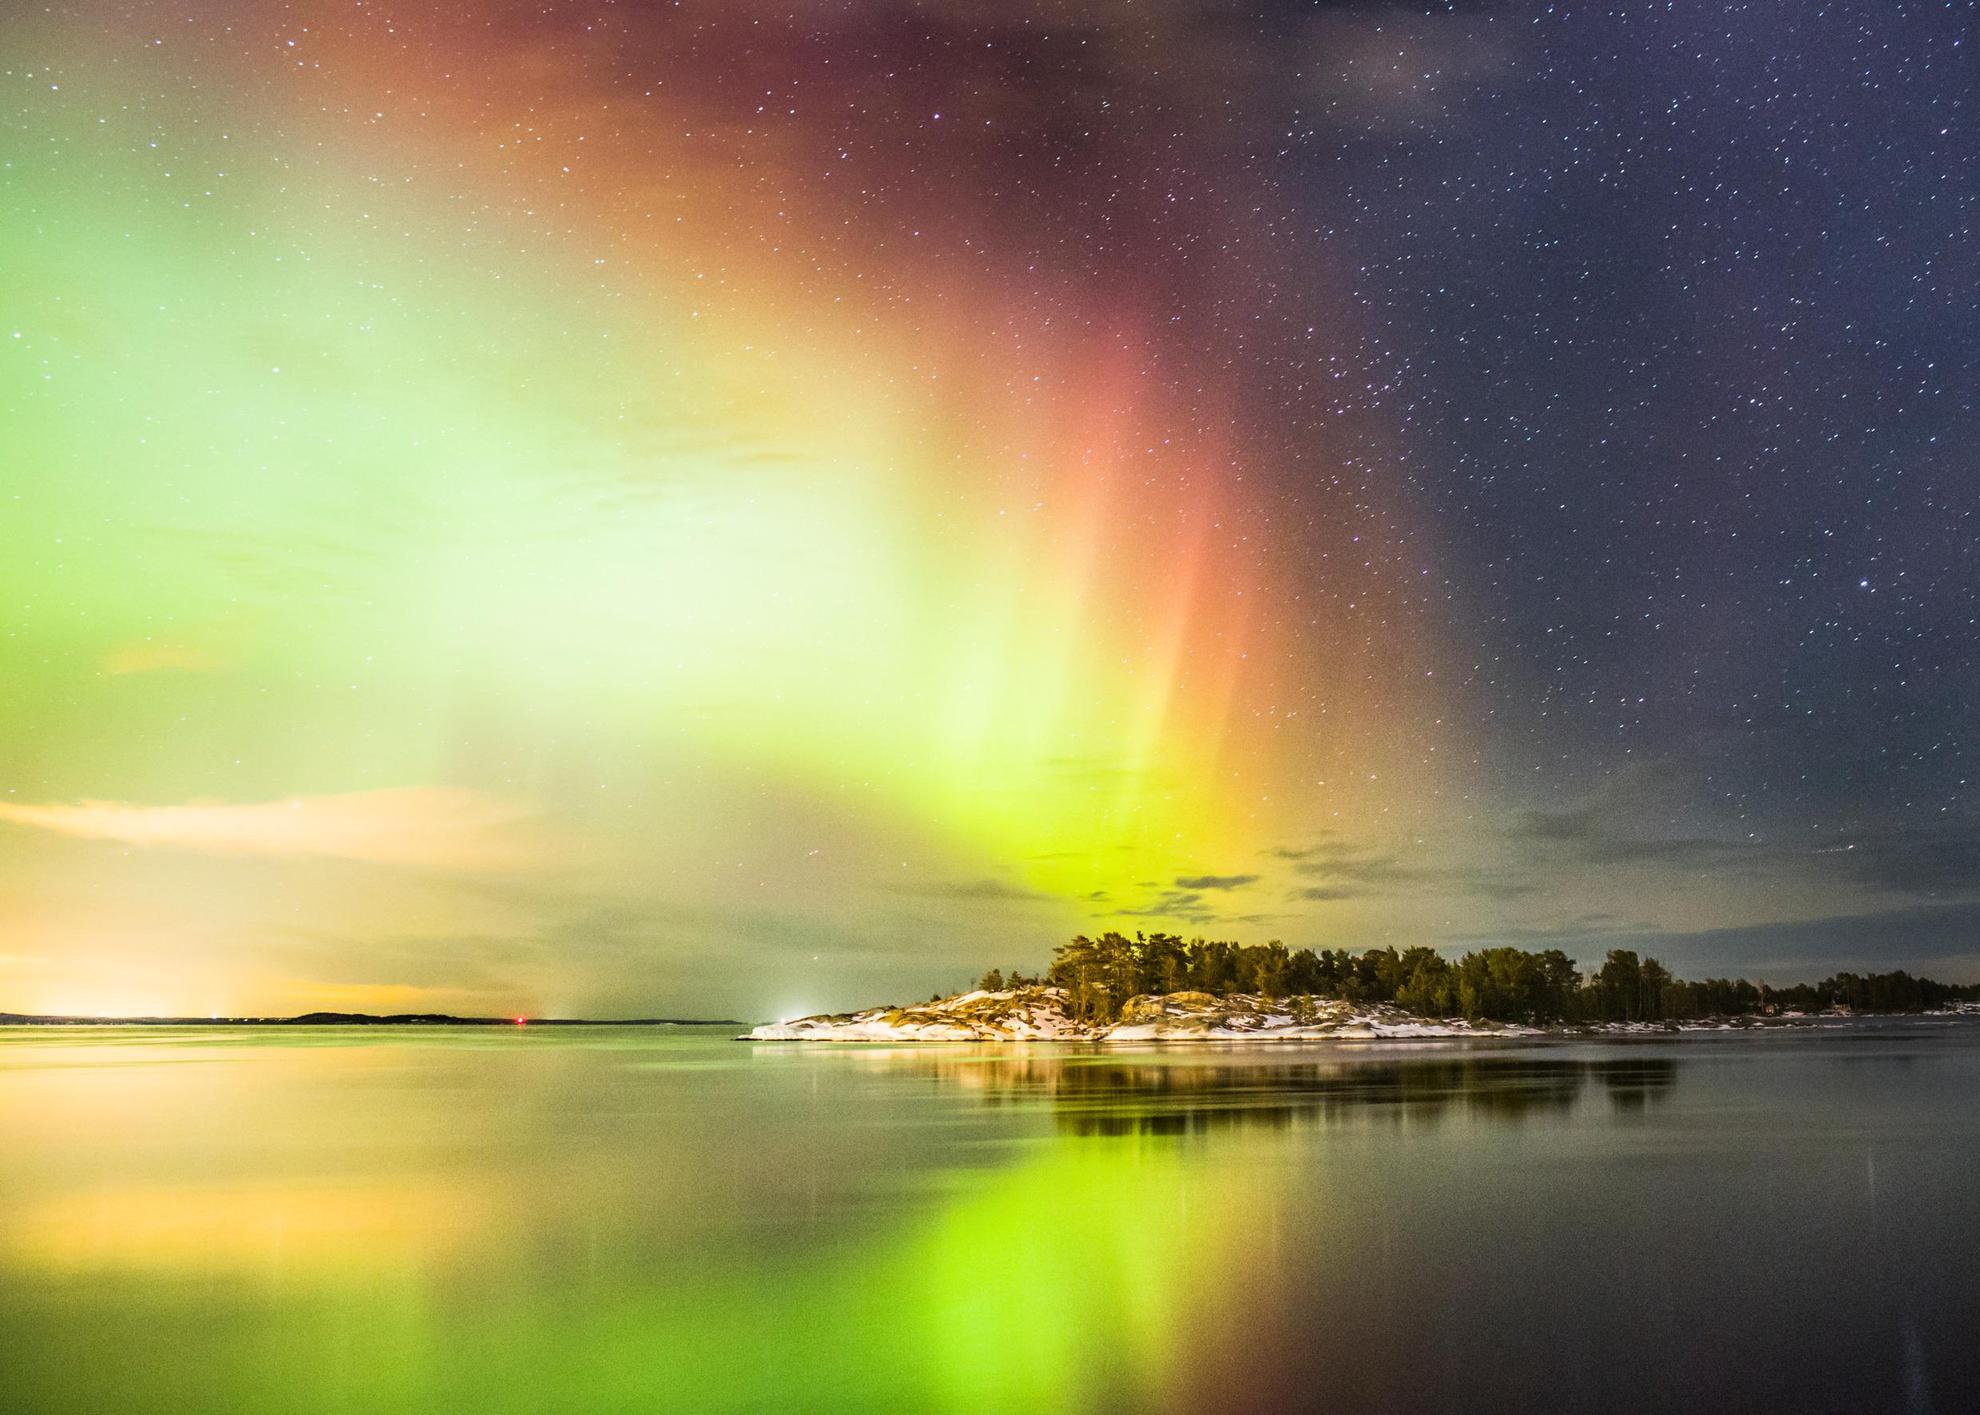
608	1220
1101	1095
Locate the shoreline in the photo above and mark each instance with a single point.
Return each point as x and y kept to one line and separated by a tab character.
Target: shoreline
1039	1015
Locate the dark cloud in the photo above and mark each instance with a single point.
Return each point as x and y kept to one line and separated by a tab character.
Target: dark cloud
1339	860
1589	836
1499	885
1185	904
1215	881
1369	868
1937	859
988	890
1555	825
1939	940
1343	870
1930	859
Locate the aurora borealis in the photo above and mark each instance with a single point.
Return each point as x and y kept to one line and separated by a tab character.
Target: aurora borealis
737	508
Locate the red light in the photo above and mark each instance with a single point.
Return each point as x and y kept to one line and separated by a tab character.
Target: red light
519	1021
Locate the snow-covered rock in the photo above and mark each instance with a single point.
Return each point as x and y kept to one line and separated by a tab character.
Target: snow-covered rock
1025	1014
1038	1014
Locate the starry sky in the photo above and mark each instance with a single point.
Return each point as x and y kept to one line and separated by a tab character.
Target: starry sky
740	508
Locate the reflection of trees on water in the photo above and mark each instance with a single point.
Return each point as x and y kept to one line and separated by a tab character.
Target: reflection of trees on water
1634	1083
1100	1095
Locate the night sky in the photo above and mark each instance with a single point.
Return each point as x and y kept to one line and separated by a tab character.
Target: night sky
744	508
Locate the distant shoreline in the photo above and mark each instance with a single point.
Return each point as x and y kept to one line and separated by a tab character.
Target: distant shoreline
360	1019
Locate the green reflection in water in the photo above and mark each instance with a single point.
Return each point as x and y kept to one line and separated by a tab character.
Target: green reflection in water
590	1223
1196	1092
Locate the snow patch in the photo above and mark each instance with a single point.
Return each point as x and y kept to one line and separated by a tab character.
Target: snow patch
1038	1014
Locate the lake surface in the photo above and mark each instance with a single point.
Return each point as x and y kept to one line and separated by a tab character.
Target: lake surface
616	1219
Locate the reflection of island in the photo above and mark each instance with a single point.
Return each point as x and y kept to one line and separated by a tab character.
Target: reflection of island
1100	1095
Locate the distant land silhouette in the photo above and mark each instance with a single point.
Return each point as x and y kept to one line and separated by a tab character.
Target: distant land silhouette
359	1019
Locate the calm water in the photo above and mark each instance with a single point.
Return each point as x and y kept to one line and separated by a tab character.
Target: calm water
627	1220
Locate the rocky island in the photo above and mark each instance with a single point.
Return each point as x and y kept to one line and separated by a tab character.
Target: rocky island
1041	1014
1162	988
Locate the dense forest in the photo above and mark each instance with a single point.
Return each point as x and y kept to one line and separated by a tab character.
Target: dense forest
1100	974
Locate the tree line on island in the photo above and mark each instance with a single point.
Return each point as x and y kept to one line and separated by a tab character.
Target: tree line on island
1099	975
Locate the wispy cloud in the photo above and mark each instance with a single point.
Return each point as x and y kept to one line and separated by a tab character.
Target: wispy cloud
1383	70
1932	859
1589	836
1185	904
1340	869
991	890
432	827
1930	938
1215	881
1339	860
